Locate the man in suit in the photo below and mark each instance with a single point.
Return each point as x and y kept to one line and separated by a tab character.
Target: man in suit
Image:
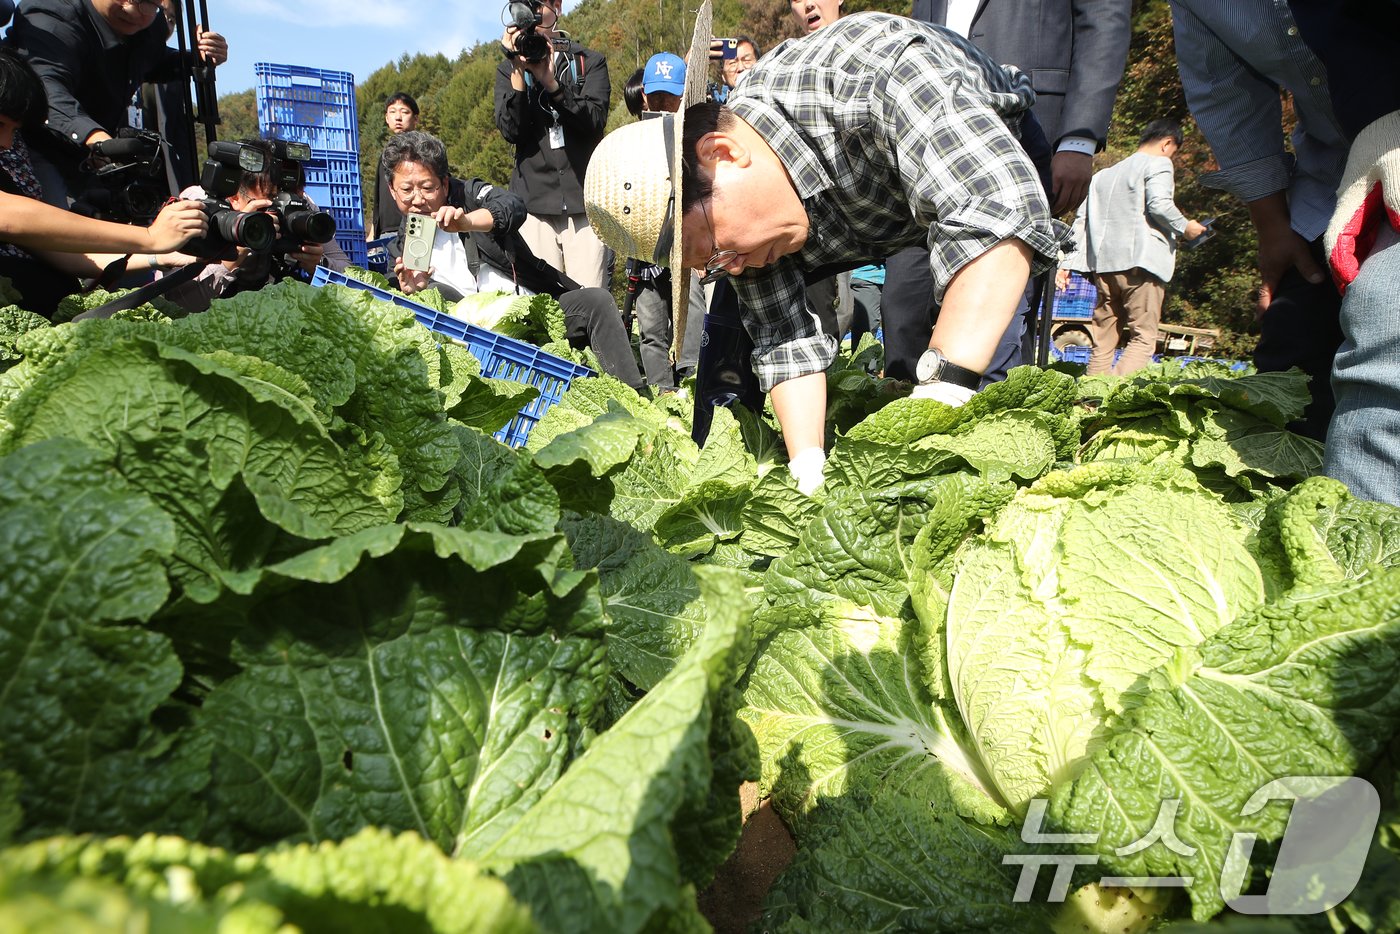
1074	52
1127	231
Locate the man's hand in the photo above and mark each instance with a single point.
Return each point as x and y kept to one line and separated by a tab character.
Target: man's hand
1061	279
212	47
1193	230
177	224
1069	177
411	280
309	256
808	468
1369	197
452	219
1280	249
947	393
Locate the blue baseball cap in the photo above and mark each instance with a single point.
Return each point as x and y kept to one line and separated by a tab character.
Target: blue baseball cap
664	72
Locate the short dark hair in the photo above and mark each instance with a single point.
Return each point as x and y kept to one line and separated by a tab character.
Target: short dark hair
1161	128
740	39
22	96
402	97
632	92
700	119
267	181
414	146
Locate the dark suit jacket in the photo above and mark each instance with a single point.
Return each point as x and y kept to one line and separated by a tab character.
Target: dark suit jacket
1074	51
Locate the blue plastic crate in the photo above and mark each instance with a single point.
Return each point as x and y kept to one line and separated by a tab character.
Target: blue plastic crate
1077	301
377	257
501	357
1074	353
333	182
317	107
309	105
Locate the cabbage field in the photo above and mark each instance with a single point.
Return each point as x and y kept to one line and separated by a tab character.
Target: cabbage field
289	642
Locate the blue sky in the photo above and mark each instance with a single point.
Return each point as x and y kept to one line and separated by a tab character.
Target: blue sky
346	35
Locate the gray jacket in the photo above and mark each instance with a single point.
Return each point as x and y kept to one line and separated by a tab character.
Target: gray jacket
1073	50
1129	219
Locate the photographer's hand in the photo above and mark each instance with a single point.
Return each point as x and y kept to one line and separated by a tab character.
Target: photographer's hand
455	220
175	225
411	280
213	48
309	256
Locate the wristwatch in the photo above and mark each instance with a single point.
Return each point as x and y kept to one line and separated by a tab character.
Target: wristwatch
933	367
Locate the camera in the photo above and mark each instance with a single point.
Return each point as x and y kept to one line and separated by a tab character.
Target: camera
228	227
525	16
299	221
131	187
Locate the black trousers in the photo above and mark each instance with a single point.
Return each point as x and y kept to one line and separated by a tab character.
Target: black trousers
593	320
1302	328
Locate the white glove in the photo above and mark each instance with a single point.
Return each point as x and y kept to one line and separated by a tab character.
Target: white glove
808	469
947	393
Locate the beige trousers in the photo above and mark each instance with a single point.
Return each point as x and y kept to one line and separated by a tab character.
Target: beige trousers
1127	313
568	243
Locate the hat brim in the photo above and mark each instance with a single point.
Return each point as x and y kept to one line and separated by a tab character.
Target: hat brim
697	70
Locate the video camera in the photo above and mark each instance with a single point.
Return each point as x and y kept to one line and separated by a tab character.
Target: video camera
299	220
525	16
131	187
228	227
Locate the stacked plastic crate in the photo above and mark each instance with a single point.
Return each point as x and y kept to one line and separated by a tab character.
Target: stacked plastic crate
316	107
1075	303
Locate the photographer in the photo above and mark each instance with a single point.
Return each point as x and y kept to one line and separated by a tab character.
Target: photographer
248	269
42	247
552	97
478	248
92	56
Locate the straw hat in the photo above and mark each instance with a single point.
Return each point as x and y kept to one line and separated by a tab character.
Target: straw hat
632	191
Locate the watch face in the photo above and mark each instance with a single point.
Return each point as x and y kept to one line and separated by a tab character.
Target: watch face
930	363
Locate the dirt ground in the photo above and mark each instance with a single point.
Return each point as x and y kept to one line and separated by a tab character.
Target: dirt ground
735	899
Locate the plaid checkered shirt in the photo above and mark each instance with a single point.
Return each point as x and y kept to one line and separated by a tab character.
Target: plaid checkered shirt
895	133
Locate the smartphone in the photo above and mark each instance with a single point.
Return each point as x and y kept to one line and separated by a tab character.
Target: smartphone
419	232
729	48
1209	225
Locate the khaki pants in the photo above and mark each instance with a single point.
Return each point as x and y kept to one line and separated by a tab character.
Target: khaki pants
1130	306
566	242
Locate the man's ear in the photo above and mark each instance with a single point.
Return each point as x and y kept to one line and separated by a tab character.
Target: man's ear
714	148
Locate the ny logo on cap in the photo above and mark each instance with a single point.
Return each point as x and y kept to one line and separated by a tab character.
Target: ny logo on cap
663	69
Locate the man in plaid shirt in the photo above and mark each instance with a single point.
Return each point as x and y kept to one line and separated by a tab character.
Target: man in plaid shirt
839	148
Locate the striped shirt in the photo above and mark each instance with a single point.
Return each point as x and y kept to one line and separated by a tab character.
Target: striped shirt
1233	58
895	133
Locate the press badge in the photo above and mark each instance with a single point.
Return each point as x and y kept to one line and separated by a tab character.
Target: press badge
556	136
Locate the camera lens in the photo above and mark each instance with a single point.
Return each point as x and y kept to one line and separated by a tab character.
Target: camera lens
256	231
305	226
532	46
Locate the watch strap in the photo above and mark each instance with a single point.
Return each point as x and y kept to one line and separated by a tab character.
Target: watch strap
958	375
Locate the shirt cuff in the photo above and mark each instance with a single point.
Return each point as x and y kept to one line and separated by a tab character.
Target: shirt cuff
80	128
792	358
965	234
1250	181
1078	144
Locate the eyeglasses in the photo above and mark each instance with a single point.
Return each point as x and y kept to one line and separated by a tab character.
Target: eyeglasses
714	266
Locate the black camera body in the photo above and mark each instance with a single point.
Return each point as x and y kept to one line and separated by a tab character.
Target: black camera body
525	16
299	220
131	187
230	228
